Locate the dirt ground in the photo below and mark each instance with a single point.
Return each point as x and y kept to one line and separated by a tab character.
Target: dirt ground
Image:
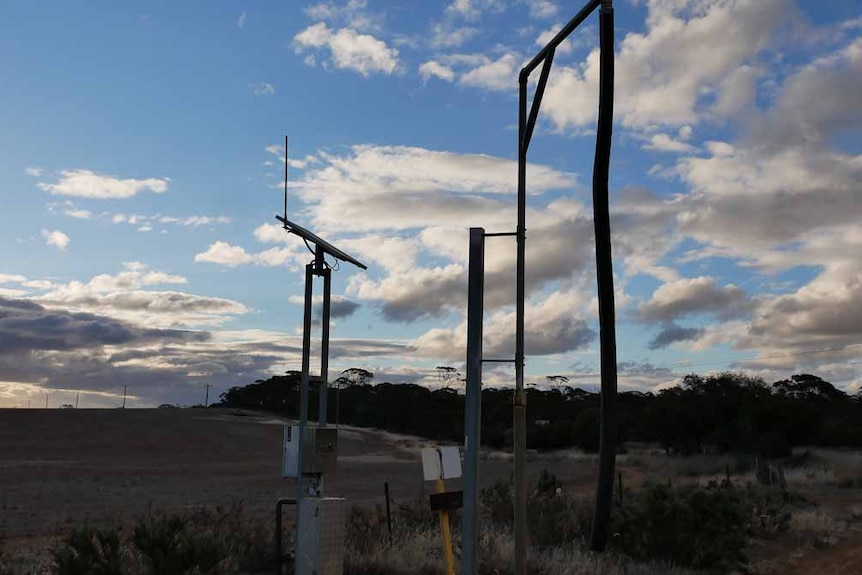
61	467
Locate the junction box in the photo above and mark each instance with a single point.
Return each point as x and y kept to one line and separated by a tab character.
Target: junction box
319	451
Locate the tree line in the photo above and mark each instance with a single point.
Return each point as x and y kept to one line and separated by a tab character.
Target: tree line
715	413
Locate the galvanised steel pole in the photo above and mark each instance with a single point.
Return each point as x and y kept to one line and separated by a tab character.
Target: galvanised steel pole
303	390
473	402
324	345
519	407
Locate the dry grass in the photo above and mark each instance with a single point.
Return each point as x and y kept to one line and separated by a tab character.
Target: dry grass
419	552
815	528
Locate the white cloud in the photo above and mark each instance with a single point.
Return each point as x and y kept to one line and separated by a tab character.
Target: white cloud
348	49
229	255
88	184
56	238
542	8
240	22
34	171
436	70
447	36
669	74
666	143
78	214
400	187
472	9
500	74
123	296
263	89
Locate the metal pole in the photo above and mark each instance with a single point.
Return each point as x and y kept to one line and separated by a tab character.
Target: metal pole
324	346
207	396
388	511
519	400
125	387
303	387
604	272
77	397
473	407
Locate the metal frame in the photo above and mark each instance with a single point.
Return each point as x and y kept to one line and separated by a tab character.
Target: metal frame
604	270
319	268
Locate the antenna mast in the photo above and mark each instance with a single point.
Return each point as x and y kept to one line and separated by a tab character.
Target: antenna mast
285	176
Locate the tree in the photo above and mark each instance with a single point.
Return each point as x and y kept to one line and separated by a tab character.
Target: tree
447	376
357	376
557	382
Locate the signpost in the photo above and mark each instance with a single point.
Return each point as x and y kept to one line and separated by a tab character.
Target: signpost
439	464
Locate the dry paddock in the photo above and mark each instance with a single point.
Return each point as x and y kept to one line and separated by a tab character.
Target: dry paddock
59	467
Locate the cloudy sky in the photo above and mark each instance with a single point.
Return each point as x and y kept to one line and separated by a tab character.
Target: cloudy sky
142	168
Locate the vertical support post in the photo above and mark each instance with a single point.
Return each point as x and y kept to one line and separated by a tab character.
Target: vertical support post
324	346
604	273
77	397
447	535
125	387
519	400
303	388
473	401
388	511
207	396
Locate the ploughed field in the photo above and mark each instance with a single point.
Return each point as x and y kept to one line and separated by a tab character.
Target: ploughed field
62	466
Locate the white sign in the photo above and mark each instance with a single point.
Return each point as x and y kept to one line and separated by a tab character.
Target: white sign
441	463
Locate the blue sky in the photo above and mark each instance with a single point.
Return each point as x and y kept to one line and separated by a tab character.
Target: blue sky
142	170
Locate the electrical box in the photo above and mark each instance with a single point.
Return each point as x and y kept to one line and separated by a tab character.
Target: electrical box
319	450
320	539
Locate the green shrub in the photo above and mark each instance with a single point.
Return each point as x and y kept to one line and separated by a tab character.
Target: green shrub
172	546
702	529
203	541
88	551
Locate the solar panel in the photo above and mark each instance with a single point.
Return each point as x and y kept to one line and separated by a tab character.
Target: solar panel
320	242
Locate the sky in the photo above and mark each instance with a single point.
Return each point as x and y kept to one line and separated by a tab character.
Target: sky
142	169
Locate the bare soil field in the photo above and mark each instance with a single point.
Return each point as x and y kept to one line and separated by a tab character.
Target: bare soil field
59	467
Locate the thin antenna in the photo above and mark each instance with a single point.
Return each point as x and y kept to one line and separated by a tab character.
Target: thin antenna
285	176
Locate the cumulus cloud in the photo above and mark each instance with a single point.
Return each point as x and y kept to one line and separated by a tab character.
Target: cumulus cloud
229	255
122	296
673	333
667	75
694	296
348	49
400	187
500	74
433	69
88	184
552	324
56	238
26	326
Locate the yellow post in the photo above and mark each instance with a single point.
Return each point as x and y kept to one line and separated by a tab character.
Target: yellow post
447	535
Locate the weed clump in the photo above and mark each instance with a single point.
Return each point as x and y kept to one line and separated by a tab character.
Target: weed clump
89	550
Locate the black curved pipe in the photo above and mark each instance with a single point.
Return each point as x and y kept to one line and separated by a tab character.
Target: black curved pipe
604	272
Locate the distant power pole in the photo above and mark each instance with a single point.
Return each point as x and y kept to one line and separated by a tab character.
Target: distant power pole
46	401
77	396
207	399
124	396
